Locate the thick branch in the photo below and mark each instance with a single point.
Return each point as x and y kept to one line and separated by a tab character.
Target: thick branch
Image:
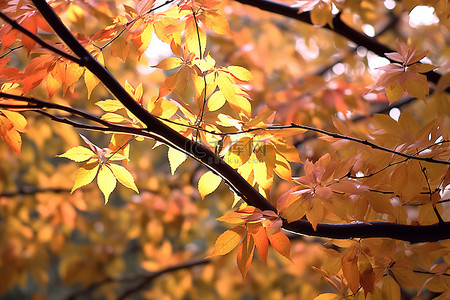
339	27
215	163
167	134
410	233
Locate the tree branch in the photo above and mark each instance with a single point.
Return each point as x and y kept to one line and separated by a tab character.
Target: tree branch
146	279
170	137
200	152
45	104
339	27
38	40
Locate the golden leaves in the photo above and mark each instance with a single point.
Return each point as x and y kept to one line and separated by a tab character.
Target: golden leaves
315	191
11	123
255	229
98	165
405	75
320	10
208	183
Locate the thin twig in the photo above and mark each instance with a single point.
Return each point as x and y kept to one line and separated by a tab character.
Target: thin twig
145	278
424	172
339	27
11	50
38	40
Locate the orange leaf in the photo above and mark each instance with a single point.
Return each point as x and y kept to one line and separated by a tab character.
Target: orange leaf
245	255
261	242
281	243
350	269
390	290
9	135
217	22
227	241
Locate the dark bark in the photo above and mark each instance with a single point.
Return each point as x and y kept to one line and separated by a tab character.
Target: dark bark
339	27
215	163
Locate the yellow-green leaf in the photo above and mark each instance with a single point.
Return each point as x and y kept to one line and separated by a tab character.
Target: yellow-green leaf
109	105
208	183
124	176
85	175
106	181
78	154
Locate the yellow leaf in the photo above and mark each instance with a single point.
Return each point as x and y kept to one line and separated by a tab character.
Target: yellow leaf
78	154
208	183
91	82
416	88
216	101
226	86
283	168
109	105
195	38
169	63
260	171
9	135
85	175
393	92
217	22
73	73
227	241
120	48
240	73
240	104
113	118
124	176
176	158
19	122
106	181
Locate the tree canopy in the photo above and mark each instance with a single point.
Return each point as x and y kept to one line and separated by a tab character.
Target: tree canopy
240	149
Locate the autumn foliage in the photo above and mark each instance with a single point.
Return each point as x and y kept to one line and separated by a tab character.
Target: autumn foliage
202	149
